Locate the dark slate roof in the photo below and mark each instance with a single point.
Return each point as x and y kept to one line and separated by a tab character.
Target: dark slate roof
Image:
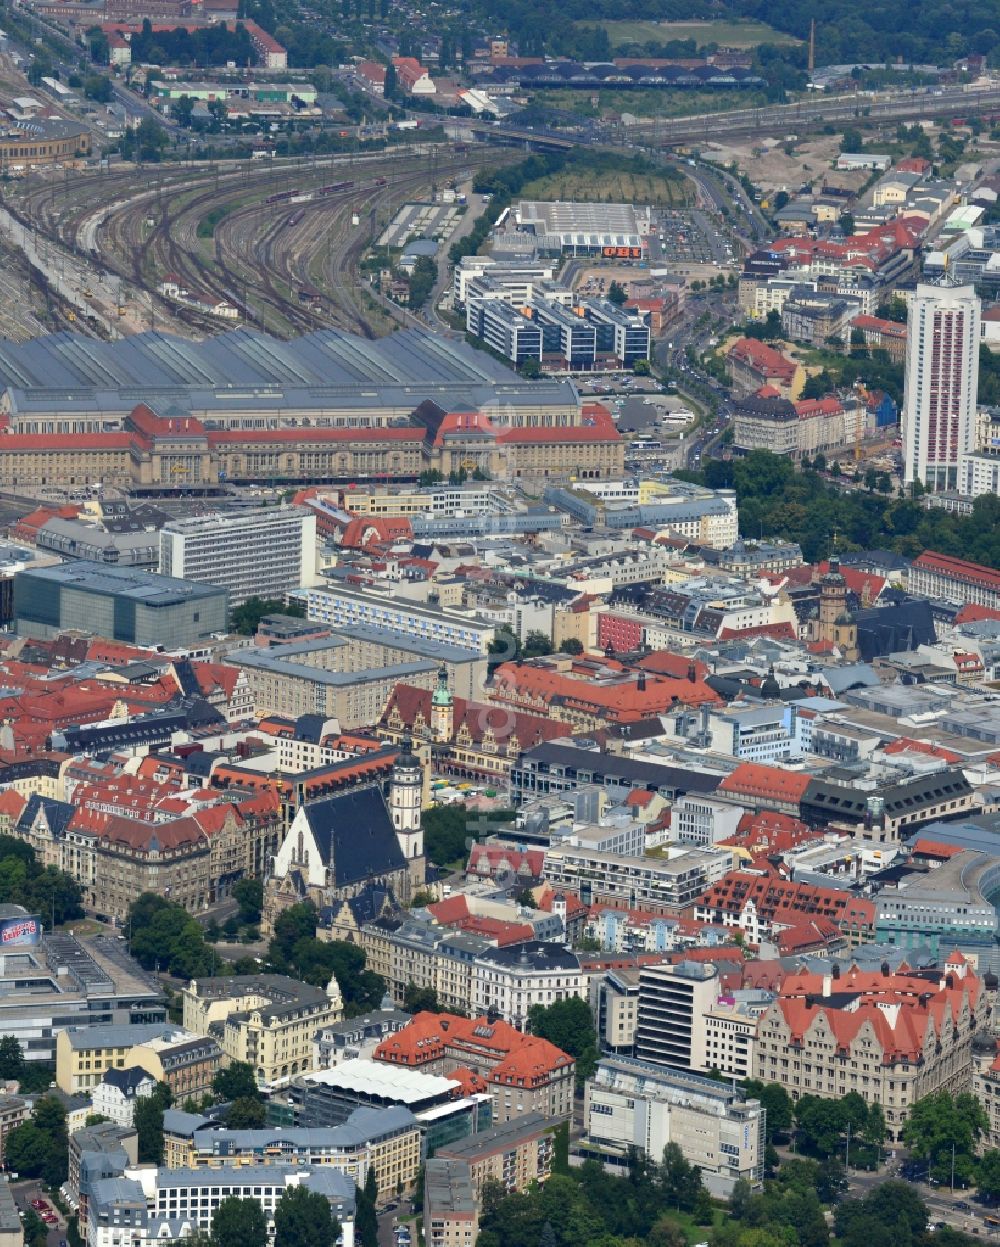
886	630
841	801
355	835
535	955
309	727
370	903
126	1080
602	767
57	813
186	678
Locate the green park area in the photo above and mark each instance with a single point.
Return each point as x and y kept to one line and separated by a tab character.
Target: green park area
727	34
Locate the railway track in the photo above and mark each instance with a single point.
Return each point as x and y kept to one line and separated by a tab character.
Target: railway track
279	229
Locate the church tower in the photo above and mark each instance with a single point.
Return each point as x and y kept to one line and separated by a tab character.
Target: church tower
836	624
442	711
832	599
406	799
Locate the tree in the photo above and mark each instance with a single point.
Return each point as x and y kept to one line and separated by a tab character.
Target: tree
390	88
27	1150
617	294
531	368
571	646
537	644
505	646
938	1123
366	1215
680	1181
570	1026
303	1218
236	1082
246	1113
11	1059
246	618
148	1122
778	1103
846	223
821	1124
36	1232
98	87
988	1174
446	834
239	1223
420	999
249	895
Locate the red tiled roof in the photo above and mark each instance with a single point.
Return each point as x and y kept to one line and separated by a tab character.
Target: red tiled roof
934	848
755	779
972	613
762	358
621	702
430	1037
481	720
947	565
906	744
776	898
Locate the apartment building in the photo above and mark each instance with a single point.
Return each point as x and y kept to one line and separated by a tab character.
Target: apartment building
118	1092
523	1073
405	952
826	1035
703	821
14	1112
342	607
516	1153
350	677
116	853
666	884
511	981
614	1002
634	1104
731	1031
148	1205
451	1210
266	1020
86	1054
262	552
760	901
386	1139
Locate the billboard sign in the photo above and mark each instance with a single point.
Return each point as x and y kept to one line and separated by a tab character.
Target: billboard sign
17	932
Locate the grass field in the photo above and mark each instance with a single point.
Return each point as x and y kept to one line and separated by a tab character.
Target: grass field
727	34
580	186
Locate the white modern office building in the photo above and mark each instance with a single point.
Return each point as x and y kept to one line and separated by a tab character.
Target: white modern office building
941	385
263	552
632	1104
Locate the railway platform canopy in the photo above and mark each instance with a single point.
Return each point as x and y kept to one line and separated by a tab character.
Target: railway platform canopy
244	379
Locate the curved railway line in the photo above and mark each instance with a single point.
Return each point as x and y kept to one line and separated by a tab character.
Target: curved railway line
275	241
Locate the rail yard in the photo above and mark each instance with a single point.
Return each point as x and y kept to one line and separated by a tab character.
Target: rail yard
276	243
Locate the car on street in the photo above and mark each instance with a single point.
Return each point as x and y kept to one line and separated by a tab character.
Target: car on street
39	1205
49	1219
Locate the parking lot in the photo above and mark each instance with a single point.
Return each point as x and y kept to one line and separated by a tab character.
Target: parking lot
688	237
30	1195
